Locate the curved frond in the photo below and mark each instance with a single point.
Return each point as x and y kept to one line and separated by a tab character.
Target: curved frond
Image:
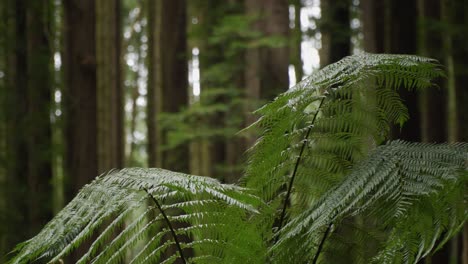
198	208
415	190
334	113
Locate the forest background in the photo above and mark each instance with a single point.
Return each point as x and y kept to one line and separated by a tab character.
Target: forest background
87	86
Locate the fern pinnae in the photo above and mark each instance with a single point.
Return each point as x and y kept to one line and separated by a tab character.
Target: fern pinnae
322	243
296	166
108	231
130	233
169	224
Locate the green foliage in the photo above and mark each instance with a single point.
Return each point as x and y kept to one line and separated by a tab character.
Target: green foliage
106	203
320	183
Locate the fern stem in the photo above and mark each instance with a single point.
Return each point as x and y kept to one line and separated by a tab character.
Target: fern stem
179	248
322	243
296	166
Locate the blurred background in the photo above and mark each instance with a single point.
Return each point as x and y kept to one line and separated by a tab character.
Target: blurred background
87	86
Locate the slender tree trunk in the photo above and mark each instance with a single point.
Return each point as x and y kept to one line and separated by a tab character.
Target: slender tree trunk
79	95
296	41
3	133
211	150
39	138
27	119
399	29
432	100
373	21
335	30
266	70
15	110
168	84
151	117
109	87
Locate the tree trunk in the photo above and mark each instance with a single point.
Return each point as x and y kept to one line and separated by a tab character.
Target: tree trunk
39	137
394	31
110	147
81	165
296	41
266	70
335	30
27	99
432	100
168	82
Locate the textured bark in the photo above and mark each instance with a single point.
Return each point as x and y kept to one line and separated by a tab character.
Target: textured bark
168	87
39	138
373	21
81	164
110	147
27	99
335	30
16	111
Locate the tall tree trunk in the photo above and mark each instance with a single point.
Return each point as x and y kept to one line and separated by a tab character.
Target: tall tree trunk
373	21
15	111
266	70
296	41
110	147
394	31
39	138
432	100
151	117
27	120
168	82
81	165
79	99
336	31
4	218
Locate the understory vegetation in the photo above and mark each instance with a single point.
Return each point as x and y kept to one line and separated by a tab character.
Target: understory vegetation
323	183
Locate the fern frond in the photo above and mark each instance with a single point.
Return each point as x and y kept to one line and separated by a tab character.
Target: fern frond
333	102
415	190
206	205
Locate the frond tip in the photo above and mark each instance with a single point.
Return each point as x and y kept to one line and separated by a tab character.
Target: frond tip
106	204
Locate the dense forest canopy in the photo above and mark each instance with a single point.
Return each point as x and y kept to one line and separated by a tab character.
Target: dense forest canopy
92	86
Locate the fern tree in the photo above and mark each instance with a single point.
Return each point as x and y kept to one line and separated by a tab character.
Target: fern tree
321	181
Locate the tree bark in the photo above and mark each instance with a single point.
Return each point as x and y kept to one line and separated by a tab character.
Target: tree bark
168	84
39	137
110	147
335	30
296	41
27	101
432	100
266	70
81	164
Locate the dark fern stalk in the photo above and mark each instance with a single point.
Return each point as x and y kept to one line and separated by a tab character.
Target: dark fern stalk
322	242
296	166
179	248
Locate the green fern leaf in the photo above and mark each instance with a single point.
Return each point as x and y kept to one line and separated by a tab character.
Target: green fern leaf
415	190
203	203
